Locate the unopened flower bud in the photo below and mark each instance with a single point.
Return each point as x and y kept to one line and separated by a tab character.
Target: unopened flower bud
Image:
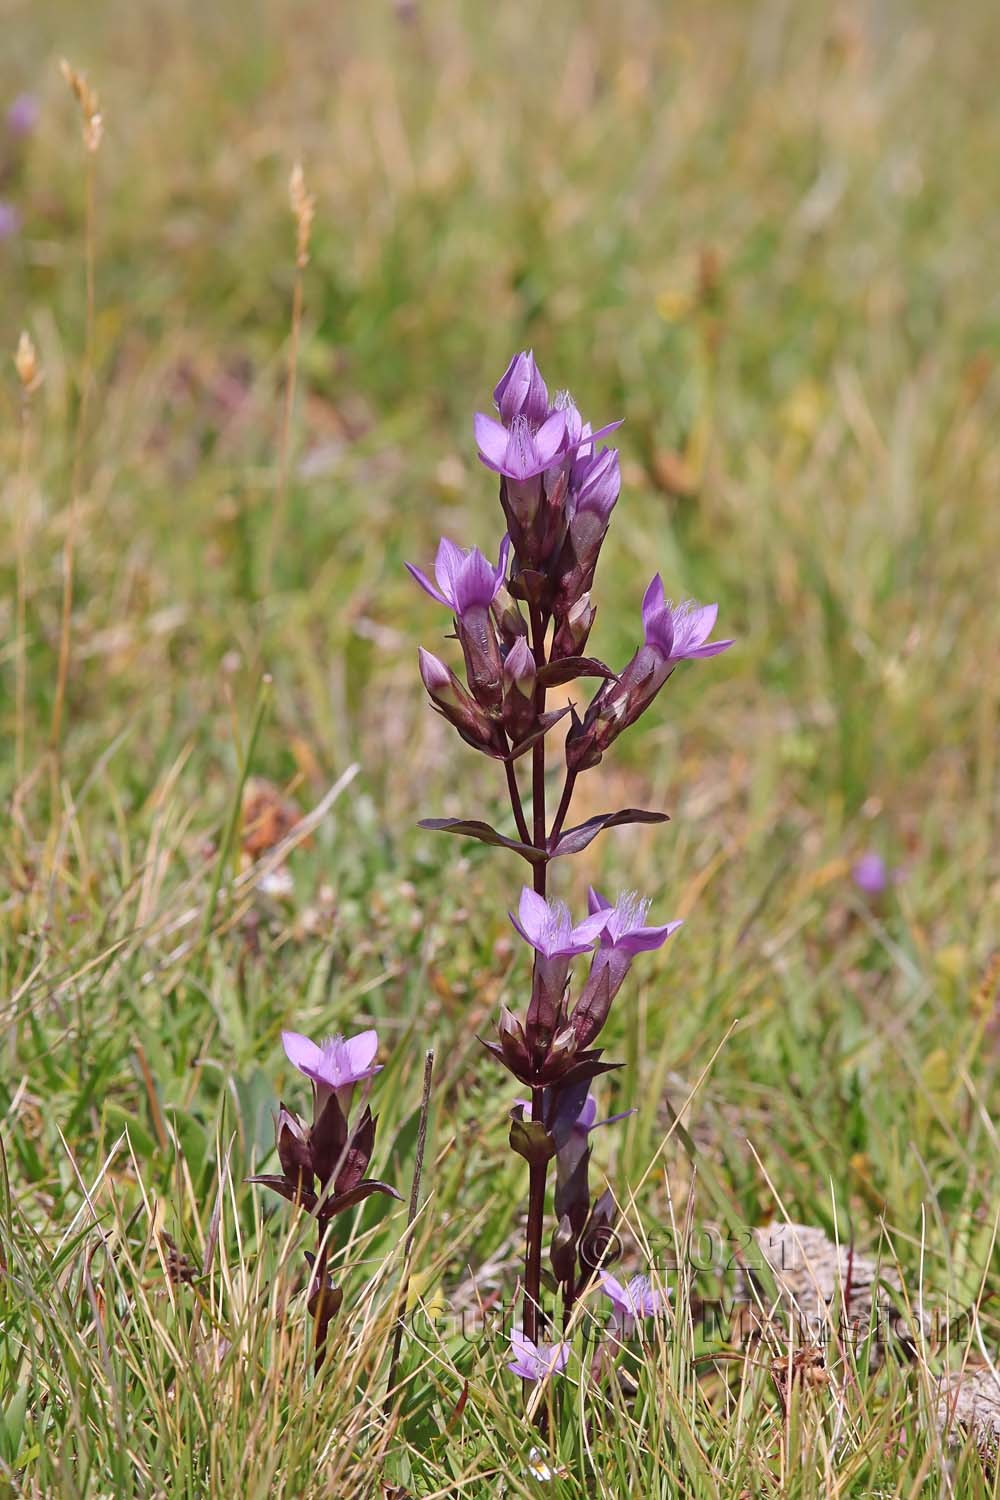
452	700
519	691
508	618
573	630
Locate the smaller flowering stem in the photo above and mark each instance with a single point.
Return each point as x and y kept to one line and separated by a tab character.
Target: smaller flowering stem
517	807
563	809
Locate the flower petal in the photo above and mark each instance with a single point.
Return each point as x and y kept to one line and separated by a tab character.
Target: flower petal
475	583
613	1288
591	927
533	912
302	1053
652	599
646	939
549	438
359	1053
699	624
713	648
426	584
491	440
596	902
448	567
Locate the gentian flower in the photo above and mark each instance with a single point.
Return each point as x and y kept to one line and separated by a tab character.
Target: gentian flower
520	453
521	392
679	632
335	1067
466	580
594	486
530	462
625	930
323	1166
534	1361
630	1303
548	927
672	634
623	935
468	584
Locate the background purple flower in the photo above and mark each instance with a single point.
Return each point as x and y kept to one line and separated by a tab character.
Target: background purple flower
10	220
22	115
466	580
872	875
534	1361
631	1302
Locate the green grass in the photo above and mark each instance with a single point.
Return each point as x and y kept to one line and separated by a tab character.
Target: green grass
766	236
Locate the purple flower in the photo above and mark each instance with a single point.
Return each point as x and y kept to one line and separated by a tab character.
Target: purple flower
630	1303
534	1361
520	453
466	580
623	935
672	634
335	1067
10	220
624	927
679	632
22	115
548	926
869	874
521	391
580	438
872	875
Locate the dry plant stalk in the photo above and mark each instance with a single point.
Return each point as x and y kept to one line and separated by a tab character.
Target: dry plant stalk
90	109
30	375
303	206
93	134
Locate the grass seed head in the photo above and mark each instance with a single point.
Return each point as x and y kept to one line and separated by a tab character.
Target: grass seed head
304	210
90	109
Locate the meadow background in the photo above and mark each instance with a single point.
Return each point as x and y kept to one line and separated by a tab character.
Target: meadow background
766	235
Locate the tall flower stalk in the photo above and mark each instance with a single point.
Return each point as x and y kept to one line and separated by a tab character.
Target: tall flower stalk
523	626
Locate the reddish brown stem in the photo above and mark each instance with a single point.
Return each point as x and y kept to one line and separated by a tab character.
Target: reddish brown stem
563	809
533	1237
517	807
538	626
